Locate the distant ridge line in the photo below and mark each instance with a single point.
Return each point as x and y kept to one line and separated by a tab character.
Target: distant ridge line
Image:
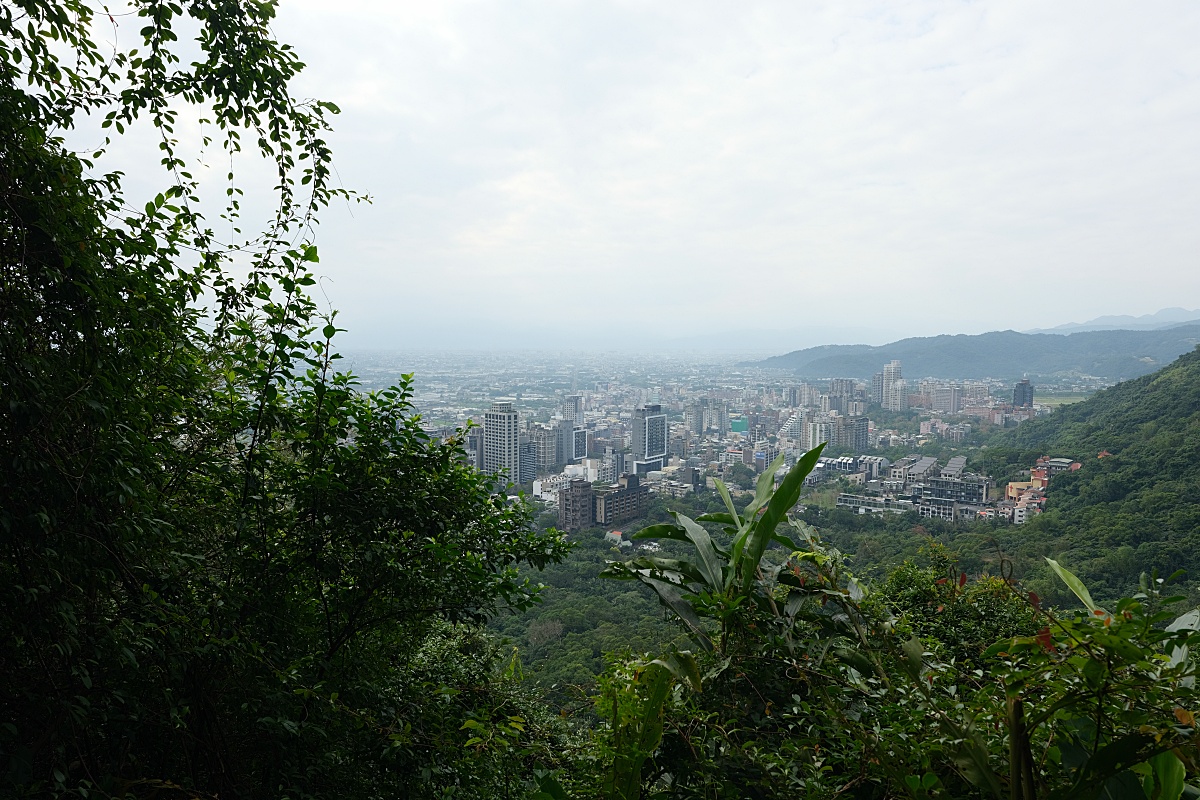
1112	354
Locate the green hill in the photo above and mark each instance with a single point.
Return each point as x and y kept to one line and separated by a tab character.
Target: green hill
1118	355
1135	509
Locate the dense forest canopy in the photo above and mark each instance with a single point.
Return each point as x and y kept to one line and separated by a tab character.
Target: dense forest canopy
227	571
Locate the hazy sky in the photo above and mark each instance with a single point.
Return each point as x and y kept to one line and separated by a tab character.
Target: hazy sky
595	174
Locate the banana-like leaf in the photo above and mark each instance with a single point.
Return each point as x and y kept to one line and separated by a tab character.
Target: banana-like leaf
1169	774
724	492
666	530
721	518
854	658
914	657
710	559
781	501
779	538
672	598
686	570
683	666
972	761
762	489
1075	585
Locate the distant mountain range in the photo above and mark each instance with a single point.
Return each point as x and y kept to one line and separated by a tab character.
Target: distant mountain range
1167	318
1114	354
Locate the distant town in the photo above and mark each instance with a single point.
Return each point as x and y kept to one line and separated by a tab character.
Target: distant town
594	440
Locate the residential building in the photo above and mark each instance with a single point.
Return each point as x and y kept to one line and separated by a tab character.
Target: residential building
895	390
501	440
1023	394
627	499
576	506
649	438
528	457
947	399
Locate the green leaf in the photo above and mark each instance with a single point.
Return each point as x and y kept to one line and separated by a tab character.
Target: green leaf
724	492
914	657
1169	774
672	597
781	501
682	665
710	560
664	530
1074	584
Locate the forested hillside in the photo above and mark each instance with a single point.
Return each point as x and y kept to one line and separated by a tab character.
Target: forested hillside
1134	506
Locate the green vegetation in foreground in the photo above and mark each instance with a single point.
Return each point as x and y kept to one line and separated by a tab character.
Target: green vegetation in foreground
805	682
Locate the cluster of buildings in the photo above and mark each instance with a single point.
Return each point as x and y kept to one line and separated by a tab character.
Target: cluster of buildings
935	491
597	455
918	483
1026	499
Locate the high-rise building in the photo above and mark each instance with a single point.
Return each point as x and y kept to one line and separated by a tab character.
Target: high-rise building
576	503
895	390
528	457
579	439
475	447
626	500
693	416
501	440
877	388
1023	394
841	387
947	399
565	441
572	408
649	439
852	433
815	433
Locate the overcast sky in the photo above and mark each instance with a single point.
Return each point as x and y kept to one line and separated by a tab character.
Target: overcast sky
595	174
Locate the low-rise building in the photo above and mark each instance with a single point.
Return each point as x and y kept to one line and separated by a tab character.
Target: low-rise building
626	499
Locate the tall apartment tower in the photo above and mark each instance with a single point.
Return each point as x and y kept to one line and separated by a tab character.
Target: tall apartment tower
842	387
947	399
572	408
693	416
895	390
502	440
649	438
877	388
1023	394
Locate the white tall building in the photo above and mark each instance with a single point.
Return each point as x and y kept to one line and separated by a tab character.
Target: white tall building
895	390
502	440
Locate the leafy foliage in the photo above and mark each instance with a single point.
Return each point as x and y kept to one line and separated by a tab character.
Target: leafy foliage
818	687
1134	510
225	567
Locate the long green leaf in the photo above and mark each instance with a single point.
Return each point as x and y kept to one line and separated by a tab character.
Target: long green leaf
1074	584
721	518
724	492
683	666
665	530
710	560
762	489
1169	774
972	760
672	598
780	503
